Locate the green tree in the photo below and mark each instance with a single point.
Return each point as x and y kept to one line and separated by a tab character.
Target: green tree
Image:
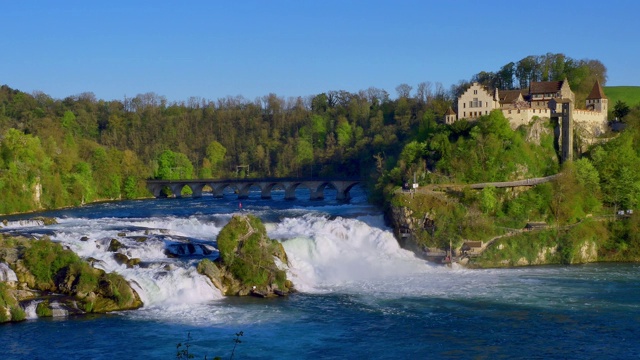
304	154
488	200
173	166
344	133
589	180
412	152
80	184
216	154
23	165
620	110
69	122
319	130
617	162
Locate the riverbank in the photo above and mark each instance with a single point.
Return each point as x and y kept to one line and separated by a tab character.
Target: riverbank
422	220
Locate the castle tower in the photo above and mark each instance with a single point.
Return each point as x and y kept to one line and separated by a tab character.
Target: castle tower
565	91
597	101
564	118
567	130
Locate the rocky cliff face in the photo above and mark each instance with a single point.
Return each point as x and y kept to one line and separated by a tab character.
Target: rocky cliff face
248	261
405	223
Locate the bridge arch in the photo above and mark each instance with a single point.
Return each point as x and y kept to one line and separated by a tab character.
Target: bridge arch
217	189
242	187
269	187
345	189
244	190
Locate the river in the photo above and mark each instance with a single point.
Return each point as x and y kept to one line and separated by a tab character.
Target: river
360	296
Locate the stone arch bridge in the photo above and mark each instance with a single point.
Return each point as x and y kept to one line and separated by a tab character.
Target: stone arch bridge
242	187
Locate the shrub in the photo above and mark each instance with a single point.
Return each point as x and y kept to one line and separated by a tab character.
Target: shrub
43	309
3	314
45	258
88	277
18	314
5	298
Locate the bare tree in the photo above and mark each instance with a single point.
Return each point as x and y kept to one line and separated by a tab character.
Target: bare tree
424	92
377	95
403	90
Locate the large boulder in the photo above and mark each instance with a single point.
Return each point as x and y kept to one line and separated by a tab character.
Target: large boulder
247	262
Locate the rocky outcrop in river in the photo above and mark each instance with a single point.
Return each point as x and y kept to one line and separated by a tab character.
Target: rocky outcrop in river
249	261
41	278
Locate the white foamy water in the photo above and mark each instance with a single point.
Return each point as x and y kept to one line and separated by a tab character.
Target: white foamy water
332	253
161	281
325	255
6	274
356	256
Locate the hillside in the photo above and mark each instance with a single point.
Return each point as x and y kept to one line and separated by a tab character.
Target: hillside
628	94
594	186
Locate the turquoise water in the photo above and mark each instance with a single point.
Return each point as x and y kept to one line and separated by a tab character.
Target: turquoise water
361	296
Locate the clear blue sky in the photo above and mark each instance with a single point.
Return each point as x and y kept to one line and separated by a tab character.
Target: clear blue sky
212	49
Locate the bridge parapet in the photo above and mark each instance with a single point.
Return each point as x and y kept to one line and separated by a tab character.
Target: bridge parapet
243	186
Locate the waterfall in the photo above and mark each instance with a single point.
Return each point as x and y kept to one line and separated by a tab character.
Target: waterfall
325	253
30	309
6	274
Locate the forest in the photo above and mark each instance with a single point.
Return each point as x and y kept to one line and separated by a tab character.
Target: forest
66	152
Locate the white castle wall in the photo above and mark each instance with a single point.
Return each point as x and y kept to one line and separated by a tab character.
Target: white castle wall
470	109
594	122
519	117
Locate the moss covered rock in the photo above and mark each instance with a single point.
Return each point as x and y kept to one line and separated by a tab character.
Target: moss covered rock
43	267
247	261
114	245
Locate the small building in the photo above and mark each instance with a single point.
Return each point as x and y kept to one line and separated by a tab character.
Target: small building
536	225
472	248
450	116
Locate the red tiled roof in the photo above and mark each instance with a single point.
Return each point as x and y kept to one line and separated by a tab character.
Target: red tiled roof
596	92
545	87
509	96
450	111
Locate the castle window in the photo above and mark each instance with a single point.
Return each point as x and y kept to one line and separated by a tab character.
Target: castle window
475	92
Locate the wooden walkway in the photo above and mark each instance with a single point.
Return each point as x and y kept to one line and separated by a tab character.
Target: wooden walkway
438	189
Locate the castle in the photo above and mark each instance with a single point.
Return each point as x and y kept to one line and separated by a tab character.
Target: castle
521	106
